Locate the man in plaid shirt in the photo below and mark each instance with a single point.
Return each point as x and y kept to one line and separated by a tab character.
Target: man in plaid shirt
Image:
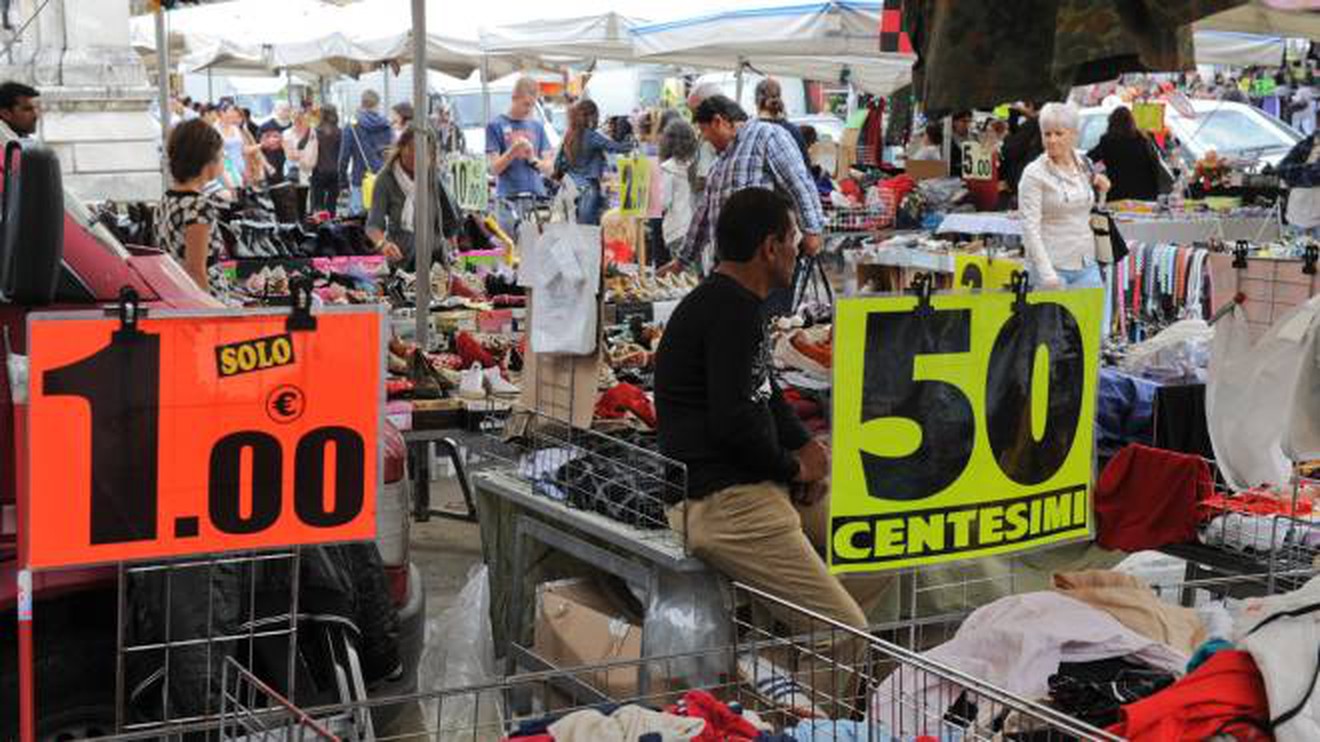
753	154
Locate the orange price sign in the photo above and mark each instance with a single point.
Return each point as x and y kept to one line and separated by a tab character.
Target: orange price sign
185	434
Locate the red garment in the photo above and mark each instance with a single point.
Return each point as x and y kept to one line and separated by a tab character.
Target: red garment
531	738
1227	688
900	186
1254	502
849	188
624	398
471	351
1147	498
722	723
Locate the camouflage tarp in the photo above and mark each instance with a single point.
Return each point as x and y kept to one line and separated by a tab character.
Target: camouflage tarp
981	54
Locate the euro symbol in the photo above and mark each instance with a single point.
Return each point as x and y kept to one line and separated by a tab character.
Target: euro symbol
285	404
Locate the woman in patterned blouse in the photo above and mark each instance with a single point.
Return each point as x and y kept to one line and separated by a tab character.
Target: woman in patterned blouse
186	219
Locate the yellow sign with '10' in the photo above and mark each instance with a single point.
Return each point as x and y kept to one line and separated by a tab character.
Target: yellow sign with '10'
962	427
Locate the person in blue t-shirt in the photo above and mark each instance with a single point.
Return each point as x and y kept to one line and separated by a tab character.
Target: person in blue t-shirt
518	150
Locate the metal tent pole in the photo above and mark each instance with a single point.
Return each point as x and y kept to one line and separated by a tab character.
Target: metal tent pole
163	81
422	178
485	91
385	85
738	77
210	87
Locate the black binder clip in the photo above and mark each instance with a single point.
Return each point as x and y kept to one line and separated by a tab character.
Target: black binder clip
1240	255
1019	284
300	295
1309	257
129	310
923	286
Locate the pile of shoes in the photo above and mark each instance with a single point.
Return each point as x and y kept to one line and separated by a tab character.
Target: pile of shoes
808	350
646	286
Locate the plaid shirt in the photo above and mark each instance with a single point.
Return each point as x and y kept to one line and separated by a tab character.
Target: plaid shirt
761	156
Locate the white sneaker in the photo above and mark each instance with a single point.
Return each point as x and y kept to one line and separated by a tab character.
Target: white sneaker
473	383
498	385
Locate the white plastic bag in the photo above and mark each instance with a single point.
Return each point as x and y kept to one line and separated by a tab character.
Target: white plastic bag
565	289
460	653
1252	395
688	613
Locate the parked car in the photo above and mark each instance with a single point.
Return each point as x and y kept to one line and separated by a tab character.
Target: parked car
1234	130
829	128
75	610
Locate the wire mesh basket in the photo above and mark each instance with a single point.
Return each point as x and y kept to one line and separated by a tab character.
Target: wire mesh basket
619	475
877	214
789	669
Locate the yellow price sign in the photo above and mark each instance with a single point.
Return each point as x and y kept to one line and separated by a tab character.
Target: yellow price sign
634	185
1149	116
981	272
962	428
471	185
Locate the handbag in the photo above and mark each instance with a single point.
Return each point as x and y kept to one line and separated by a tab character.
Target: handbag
369	177
1163	178
1110	247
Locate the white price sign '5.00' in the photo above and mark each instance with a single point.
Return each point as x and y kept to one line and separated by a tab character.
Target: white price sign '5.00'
977	161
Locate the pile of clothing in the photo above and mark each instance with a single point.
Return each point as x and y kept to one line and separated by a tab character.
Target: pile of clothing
698	716
1104	649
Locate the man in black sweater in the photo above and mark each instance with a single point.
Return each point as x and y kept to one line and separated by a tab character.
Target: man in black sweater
756	479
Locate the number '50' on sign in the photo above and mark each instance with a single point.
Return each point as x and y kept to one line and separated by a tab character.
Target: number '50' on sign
184	434
953	417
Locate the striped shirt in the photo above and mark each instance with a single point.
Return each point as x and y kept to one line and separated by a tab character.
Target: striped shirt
761	155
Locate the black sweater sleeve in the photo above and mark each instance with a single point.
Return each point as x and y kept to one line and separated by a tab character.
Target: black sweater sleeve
744	407
792	433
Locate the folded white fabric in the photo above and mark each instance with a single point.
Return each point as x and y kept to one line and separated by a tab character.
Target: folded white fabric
1015	643
1282	633
627	724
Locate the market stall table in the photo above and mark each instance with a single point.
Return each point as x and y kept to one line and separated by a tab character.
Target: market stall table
1185	231
1005	224
635	555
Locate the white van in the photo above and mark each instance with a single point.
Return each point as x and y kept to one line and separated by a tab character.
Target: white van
1234	130
794	90
621	89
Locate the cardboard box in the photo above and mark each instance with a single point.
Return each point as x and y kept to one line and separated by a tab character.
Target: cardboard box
847	152
577	624
826	155
927	169
561	387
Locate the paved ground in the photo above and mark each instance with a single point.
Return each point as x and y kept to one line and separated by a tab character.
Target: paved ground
445	550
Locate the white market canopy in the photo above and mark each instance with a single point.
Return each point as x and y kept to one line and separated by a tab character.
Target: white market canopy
825	41
1291	18
605	36
304	35
1239	49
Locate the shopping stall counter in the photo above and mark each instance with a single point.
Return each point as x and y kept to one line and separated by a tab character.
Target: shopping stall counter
1004	224
1203	228
519	516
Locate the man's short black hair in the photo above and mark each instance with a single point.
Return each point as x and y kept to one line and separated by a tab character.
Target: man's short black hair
192	146
719	105
747	218
11	91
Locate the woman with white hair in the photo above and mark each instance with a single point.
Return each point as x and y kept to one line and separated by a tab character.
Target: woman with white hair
1055	198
